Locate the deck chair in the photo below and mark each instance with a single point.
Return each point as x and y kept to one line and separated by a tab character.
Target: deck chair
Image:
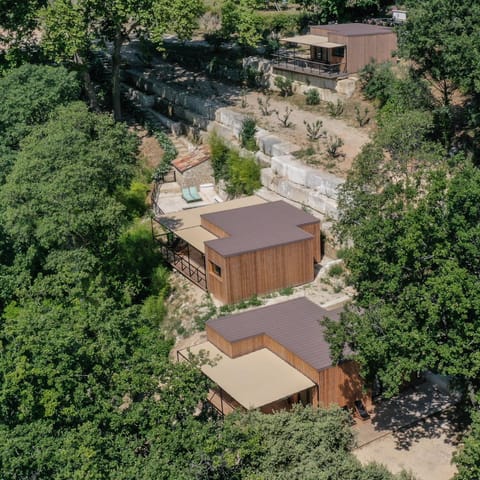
190	194
361	410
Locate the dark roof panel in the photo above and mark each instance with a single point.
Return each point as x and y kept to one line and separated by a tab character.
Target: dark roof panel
258	227
355	29
295	324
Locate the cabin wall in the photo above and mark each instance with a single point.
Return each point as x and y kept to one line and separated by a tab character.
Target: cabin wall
248	345
342	384
360	49
218	286
223	345
314	229
266	270
212	228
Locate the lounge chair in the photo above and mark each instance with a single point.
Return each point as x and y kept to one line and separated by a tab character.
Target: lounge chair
190	194
361	411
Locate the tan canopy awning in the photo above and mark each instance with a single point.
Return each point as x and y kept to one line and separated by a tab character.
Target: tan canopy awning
253	380
312	40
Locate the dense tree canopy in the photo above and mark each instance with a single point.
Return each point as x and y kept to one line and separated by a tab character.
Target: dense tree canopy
442	37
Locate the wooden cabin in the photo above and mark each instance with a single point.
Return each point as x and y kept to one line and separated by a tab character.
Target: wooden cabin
335	51
272	357
244	247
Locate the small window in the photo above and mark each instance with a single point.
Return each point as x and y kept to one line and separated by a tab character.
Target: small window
214	268
338	52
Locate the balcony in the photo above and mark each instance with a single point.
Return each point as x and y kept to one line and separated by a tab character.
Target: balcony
292	63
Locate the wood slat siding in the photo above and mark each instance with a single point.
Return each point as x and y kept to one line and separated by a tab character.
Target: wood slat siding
314	229
223	345
218	287
341	384
212	228
248	345
270	269
361	49
292	359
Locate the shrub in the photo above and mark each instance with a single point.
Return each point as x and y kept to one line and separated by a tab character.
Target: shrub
169	154
336	270
244	175
134	198
285	85
219	156
335	109
247	134
284	118
314	130
377	80
312	96
361	117
333	144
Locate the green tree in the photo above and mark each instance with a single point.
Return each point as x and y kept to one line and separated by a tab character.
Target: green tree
18	21
467	458
443	39
61	191
71	28
239	19
28	95
413	262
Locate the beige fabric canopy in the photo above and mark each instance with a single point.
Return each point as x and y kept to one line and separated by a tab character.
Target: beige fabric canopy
253	380
312	40
196	237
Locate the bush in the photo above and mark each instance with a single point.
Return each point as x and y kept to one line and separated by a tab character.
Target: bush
244	175
377	81
134	198
247	134
335	270
312	96
285	85
219	157
335	109
169	154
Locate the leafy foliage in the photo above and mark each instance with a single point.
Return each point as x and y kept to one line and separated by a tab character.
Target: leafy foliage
241	175
28	95
71	204
312	97
247	134
169	154
285	85
441	37
240	20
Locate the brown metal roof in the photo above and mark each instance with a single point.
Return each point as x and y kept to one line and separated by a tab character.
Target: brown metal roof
355	29
295	324
258	227
192	159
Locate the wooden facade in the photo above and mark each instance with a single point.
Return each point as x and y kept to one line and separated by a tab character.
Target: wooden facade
235	277
360	48
337	384
262	271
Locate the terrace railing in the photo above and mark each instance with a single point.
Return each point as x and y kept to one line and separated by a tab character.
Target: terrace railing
183	265
303	65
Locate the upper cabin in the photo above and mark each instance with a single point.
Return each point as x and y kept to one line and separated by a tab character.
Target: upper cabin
337	50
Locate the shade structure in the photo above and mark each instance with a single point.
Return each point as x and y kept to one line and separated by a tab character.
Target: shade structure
312	40
253	380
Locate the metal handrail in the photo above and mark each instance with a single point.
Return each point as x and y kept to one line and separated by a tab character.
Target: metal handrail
196	274
303	63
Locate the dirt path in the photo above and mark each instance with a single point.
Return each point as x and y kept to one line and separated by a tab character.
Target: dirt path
353	138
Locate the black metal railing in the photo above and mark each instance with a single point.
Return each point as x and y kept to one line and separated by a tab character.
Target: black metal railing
183	265
168	177
303	65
